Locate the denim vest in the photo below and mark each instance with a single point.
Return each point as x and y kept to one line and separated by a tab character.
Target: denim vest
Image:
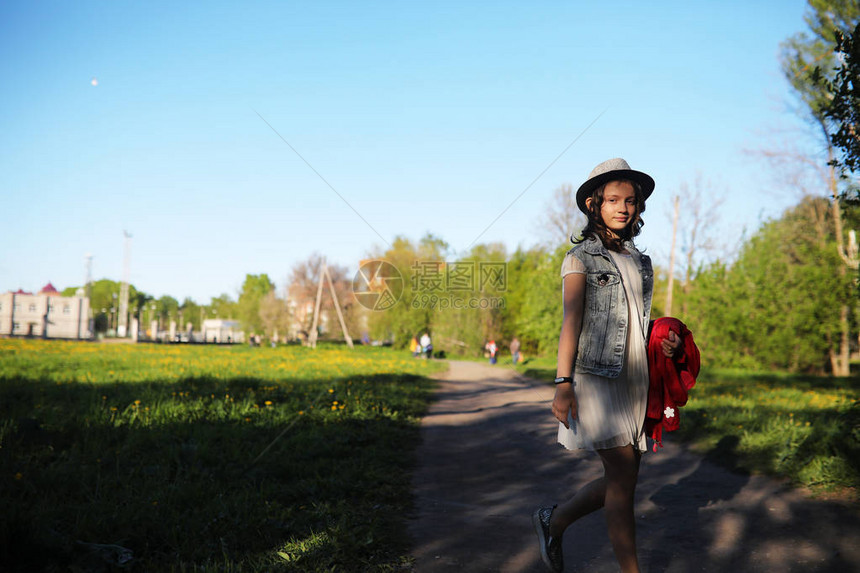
603	337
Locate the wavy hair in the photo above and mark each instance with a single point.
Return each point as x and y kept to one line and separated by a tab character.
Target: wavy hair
595	228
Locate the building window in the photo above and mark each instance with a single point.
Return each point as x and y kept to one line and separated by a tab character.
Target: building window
67	309
17	307
1	307
15	326
32	307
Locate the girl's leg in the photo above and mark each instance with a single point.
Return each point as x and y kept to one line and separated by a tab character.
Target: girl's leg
621	471
586	500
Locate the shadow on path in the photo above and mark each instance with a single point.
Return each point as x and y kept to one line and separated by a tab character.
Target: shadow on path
489	456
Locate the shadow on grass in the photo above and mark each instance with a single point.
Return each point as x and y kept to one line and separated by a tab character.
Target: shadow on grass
176	484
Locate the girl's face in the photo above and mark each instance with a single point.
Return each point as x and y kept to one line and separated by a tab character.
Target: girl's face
619	205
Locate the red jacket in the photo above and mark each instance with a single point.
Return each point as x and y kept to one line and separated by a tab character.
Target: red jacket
670	379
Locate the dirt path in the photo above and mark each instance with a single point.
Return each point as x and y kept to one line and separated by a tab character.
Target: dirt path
489	457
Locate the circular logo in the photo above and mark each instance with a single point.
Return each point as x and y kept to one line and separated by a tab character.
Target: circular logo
377	284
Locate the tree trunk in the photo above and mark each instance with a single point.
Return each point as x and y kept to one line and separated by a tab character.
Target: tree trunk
672	258
839	362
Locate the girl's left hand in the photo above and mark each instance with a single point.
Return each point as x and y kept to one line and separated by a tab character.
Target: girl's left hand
671	344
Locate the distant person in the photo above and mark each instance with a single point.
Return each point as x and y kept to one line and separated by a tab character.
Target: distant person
515	350
492	349
601	389
426	346
414	347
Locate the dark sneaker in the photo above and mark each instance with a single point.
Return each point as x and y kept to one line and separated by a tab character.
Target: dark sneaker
550	547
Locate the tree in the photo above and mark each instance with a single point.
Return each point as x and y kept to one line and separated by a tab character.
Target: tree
413	313
189	311
780	304
801	55
698	209
275	315
474	294
534	308
843	109
222	306
253	290
561	218
104	302
167	309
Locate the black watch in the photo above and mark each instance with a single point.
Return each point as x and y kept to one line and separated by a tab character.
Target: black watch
563	379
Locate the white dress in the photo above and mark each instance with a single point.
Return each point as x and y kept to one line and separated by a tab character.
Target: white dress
611	411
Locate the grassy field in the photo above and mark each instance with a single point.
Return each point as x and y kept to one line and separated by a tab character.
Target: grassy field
206	458
804	428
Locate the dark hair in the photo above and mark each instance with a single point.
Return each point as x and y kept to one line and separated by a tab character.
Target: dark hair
595	228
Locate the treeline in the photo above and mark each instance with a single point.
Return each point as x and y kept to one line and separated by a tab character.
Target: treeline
780	303
785	301
254	306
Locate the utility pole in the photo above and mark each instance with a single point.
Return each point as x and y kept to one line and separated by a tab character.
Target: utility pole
122	318
88	286
672	257
313	334
324	274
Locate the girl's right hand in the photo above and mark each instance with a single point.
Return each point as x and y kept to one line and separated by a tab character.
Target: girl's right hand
563	403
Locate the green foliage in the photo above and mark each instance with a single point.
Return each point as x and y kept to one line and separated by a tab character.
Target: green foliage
805	51
844	107
778	305
158	449
253	290
222	306
407	318
536	286
480	318
104	301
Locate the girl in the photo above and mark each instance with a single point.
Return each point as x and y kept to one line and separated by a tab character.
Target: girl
602	385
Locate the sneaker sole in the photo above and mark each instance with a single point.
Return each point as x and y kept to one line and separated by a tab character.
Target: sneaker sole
539	530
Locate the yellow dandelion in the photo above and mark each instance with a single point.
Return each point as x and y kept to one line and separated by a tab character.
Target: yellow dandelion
19	475
331	390
334	407
268	402
301	412
137	402
247	419
113	408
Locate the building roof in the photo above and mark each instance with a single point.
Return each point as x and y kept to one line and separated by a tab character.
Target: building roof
49	290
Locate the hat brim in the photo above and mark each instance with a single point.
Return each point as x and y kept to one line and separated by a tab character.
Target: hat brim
586	189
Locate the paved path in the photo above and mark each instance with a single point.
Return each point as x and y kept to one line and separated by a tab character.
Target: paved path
488	457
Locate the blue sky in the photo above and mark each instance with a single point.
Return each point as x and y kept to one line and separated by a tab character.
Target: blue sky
427	117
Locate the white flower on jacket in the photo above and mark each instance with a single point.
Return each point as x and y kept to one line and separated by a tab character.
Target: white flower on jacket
669	412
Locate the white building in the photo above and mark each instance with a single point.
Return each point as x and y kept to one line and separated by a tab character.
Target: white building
222	331
46	314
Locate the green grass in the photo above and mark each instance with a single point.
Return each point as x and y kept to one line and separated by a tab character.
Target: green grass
804	428
163	450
